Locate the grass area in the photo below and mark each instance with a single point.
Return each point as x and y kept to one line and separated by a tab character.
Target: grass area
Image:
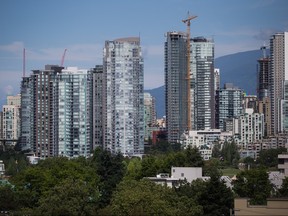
230	172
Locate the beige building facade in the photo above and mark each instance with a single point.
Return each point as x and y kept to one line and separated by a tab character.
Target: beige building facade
274	207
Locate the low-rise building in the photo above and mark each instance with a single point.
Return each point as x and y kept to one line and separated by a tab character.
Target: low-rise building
272	142
283	163
178	174
204	140
274	206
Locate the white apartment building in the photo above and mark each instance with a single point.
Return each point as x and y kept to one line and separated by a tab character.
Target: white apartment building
123	69
251	127
11	118
204	140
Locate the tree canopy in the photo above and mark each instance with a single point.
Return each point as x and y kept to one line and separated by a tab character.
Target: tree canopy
147	198
254	184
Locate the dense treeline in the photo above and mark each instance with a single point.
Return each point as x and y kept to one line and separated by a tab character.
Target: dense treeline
107	184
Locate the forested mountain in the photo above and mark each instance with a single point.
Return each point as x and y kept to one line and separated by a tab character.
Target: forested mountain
239	69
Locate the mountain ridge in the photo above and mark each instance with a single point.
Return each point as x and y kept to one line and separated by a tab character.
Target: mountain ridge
238	68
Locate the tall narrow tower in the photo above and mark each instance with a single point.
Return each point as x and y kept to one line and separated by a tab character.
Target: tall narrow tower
202	83
278	75
263	75
123	96
176	85
263	86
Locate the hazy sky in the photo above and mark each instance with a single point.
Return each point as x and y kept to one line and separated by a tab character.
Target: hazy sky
46	28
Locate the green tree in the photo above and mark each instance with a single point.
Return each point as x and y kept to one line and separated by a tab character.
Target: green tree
72	197
269	157
230	153
147	198
217	199
283	191
249	162
111	169
193	157
134	169
7	198
254	184
164	147
14	161
149	166
216	151
35	181
212	195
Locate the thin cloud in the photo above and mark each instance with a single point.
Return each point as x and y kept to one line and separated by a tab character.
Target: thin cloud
153	50
261	3
76	52
243	31
222	49
265	34
15	47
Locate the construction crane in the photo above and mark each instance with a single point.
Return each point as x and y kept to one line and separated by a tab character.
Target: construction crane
63	58
187	22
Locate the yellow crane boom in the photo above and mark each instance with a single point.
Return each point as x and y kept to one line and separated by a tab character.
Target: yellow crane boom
187	22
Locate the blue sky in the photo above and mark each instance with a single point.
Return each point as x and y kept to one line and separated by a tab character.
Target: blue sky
46	28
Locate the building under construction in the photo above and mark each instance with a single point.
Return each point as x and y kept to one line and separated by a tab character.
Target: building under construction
176	84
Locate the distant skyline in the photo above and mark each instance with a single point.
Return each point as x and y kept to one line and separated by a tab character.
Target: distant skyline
46	28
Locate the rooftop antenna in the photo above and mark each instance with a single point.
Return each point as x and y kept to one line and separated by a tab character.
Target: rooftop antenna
187	22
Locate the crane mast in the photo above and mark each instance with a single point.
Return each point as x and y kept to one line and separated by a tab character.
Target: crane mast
187	22
63	58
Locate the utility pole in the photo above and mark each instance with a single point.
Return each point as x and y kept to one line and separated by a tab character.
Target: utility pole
187	22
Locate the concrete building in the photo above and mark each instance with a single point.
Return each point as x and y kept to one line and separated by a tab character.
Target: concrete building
123	106
97	107
263	77
202	83
228	104
283	164
250	102
43	108
149	115
251	127
204	140
57	112
25	114
272	142
278	74
11	119
186	173
274	206
74	114
2	168
216	79
178	174
176	89
264	107
1	125
284	107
